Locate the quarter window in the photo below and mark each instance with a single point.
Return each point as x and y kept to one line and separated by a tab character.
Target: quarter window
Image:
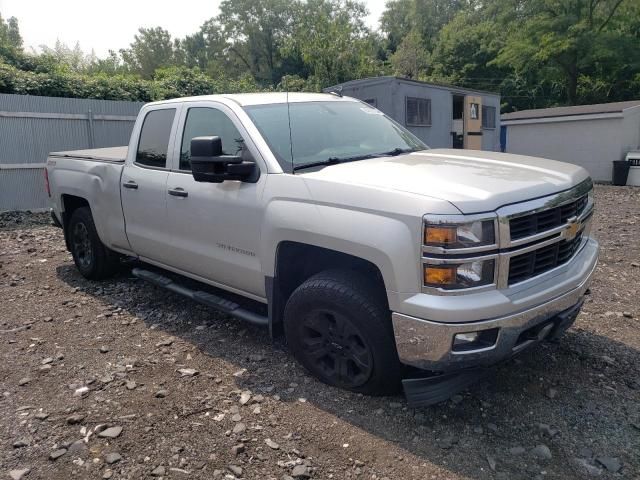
206	122
488	117
418	112
154	138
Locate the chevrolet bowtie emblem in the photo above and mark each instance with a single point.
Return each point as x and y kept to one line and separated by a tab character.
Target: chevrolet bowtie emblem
572	229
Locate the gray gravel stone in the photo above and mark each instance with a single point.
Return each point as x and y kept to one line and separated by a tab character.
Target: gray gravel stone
21	442
112	458
19	474
161	393
587	467
75	419
300	471
610	463
112	432
271	444
542	452
158	471
56	454
235	469
239	428
238	449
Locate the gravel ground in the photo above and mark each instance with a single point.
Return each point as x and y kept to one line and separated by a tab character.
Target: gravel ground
122	380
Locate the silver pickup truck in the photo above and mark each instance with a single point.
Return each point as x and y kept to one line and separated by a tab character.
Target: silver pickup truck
381	261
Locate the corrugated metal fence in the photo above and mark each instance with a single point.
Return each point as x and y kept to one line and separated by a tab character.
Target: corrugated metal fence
31	127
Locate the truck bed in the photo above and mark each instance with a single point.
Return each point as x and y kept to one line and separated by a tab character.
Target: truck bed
110	154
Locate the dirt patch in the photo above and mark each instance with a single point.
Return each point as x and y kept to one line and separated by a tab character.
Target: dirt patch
121	380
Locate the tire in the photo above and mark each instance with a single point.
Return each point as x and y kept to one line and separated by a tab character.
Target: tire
338	327
92	258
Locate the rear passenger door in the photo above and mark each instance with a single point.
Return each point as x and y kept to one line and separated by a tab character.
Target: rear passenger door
144	184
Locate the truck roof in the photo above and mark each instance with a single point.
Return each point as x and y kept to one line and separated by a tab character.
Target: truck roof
263	98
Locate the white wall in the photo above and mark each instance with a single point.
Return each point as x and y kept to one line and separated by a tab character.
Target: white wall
592	144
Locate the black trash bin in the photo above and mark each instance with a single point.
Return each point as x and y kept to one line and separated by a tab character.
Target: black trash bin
620	172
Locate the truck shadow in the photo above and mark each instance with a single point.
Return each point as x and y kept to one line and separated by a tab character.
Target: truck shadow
579	397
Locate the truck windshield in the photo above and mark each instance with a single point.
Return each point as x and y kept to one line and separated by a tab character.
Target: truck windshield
325	133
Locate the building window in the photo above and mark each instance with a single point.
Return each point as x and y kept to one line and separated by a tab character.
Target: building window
418	112
372	102
488	117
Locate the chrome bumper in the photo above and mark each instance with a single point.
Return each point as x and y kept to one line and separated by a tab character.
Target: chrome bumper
429	345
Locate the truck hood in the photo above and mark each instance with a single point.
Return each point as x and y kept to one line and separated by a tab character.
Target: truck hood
473	181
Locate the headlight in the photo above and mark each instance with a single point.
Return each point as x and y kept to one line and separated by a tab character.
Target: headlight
460	235
474	273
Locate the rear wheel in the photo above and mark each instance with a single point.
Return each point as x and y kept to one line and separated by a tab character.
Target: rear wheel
337	326
92	258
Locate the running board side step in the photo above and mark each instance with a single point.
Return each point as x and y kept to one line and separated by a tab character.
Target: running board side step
427	391
205	298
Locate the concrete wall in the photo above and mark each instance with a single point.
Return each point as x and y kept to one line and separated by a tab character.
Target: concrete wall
592	144
390	96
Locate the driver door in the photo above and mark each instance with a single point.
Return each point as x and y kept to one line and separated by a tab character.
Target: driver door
215	227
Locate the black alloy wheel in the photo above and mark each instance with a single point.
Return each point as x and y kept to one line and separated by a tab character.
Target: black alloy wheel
81	244
336	347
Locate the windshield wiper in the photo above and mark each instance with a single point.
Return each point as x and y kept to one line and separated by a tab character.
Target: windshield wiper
397	151
335	161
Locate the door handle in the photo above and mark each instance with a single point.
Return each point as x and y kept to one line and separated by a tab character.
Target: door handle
130	184
178	192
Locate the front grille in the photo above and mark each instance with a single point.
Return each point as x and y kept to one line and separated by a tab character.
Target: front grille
527	225
528	265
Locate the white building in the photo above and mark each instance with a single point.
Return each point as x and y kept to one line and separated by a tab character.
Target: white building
591	136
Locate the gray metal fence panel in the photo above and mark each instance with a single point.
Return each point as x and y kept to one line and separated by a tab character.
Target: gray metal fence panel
31	127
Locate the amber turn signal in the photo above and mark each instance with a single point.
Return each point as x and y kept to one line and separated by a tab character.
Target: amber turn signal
435	276
440	235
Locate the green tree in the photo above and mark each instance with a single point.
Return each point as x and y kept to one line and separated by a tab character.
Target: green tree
465	51
151	49
206	47
255	31
396	22
567	40
411	58
10	39
332	40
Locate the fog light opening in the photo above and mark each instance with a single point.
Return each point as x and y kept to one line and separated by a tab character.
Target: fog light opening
478	340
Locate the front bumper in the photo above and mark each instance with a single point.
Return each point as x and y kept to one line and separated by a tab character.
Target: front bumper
428	344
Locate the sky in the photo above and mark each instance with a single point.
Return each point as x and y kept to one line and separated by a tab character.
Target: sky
101	26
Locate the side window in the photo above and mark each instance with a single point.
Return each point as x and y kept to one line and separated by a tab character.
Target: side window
204	122
418	112
154	138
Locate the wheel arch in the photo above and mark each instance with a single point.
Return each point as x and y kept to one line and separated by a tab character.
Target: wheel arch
296	262
70	203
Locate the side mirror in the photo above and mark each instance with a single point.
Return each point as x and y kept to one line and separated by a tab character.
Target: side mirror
208	164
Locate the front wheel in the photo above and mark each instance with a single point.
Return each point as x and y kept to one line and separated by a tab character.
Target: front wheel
338	327
92	258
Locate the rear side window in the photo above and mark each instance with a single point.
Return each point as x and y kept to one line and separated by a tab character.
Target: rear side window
154	138
207	122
